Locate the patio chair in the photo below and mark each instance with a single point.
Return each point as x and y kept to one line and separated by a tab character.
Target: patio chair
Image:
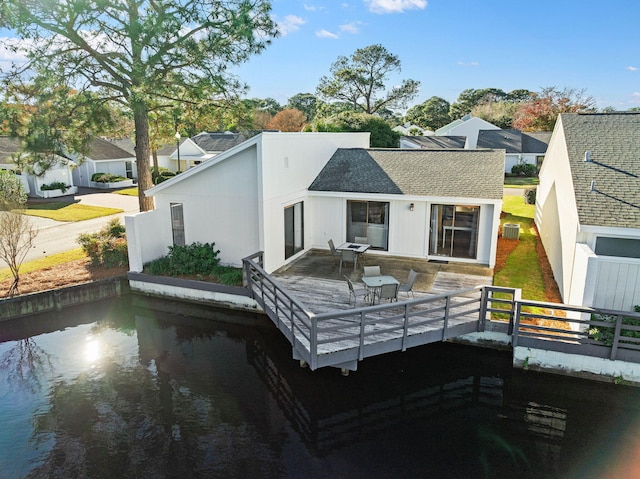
388	291
332	247
355	292
408	286
348	257
372	271
361	240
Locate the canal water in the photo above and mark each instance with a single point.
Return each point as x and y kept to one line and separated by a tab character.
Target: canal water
136	388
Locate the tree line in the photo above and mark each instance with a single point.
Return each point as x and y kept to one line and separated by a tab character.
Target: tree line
149	71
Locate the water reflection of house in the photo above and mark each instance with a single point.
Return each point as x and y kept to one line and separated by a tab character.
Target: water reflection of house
286	193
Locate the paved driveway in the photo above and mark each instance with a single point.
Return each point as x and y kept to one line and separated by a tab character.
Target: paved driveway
58	236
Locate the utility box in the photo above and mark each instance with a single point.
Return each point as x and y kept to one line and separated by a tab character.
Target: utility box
511	231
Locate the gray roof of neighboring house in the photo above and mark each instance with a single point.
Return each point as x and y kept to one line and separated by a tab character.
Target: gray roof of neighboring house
448	173
100	149
535	141
438	142
211	142
8	146
514	141
613	140
509	140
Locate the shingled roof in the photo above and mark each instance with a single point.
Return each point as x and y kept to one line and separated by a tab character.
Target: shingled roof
438	142
613	140
514	141
217	142
448	173
100	149
8	147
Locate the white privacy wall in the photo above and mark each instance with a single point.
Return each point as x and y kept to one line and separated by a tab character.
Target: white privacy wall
147	238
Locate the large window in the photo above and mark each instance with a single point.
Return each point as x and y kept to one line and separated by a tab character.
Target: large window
293	229
177	224
369	219
454	231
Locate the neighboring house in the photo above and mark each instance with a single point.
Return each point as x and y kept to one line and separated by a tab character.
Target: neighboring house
468	126
520	147
412	130
433	142
588	208
285	193
193	151
34	184
104	156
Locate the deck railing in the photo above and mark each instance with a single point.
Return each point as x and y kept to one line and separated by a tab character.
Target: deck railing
329	338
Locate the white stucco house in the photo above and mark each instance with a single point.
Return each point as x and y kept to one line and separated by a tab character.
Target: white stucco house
588	208
104	156
38	185
199	148
519	146
286	193
467	126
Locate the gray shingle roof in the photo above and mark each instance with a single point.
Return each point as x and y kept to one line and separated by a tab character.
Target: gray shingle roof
8	146
100	149
448	173
216	142
438	142
509	140
614	142
535	141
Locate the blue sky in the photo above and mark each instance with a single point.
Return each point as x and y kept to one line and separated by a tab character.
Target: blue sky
452	45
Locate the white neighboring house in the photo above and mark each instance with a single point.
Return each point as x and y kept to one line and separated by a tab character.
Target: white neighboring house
59	173
520	147
104	156
588	208
286	193
468	126
202	147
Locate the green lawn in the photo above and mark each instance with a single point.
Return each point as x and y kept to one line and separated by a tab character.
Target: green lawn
522	269
128	191
51	260
520	181
62	211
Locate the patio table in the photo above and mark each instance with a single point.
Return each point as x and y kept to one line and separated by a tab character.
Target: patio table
375	282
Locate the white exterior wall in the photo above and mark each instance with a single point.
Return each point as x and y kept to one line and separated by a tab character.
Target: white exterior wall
470	129
408	230
512	159
617	283
83	173
147	238
220	206
290	163
556	215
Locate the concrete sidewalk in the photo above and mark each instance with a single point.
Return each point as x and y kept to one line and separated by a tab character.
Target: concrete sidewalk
58	236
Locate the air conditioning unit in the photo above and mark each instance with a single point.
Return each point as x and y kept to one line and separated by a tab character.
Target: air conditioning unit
511	230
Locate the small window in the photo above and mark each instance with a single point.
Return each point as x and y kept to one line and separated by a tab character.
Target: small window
620	247
177	224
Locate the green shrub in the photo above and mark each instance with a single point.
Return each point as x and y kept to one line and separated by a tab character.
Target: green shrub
605	335
56	185
524	169
107	247
197	259
530	196
106	178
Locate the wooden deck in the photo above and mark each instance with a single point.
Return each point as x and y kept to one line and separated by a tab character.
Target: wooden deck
315	315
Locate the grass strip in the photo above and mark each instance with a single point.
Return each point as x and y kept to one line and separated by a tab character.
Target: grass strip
70	212
43	263
128	191
520	181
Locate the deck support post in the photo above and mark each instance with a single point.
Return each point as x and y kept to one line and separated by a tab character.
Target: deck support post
344	371
303	364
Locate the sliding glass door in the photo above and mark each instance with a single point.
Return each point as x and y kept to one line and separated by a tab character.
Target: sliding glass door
293	229
454	231
369	219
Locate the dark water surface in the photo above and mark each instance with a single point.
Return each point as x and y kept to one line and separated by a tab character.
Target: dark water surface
117	389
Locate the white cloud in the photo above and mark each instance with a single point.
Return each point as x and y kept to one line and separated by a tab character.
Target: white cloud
352	27
395	6
7	52
469	64
290	24
310	8
326	34
631	69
